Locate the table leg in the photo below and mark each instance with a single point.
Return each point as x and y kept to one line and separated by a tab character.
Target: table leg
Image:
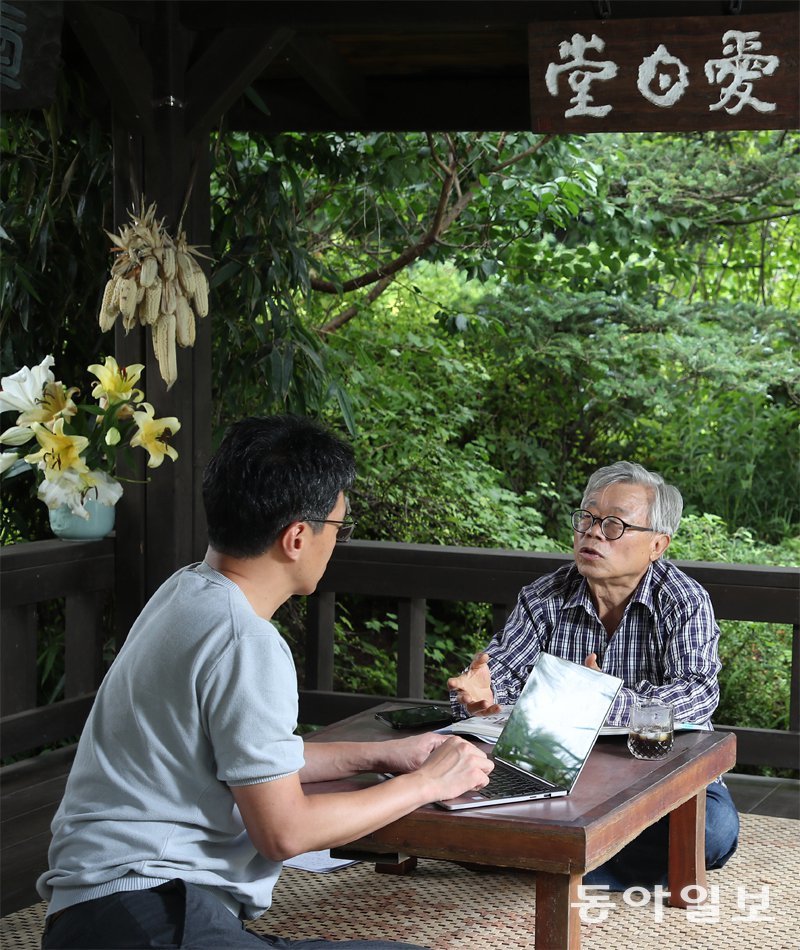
687	850
558	924
401	866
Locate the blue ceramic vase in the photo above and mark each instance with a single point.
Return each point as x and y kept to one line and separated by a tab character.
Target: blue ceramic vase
69	527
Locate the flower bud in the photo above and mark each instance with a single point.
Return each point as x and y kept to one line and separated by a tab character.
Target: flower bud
113	437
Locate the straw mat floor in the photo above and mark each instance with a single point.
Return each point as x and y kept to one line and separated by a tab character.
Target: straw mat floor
449	908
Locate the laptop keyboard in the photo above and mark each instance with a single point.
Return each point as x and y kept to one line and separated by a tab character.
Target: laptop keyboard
504	782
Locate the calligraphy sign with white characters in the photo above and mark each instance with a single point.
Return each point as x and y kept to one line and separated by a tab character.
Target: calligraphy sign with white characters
30	52
681	74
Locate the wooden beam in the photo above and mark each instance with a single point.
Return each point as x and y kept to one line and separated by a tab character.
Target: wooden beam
328	75
394	103
33	729
231	64
113	49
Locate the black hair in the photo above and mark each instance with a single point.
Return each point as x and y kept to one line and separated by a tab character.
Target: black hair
267	473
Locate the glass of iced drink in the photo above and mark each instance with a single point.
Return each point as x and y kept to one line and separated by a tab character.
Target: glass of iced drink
650	733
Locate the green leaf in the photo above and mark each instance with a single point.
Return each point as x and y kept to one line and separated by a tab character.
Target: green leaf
256	100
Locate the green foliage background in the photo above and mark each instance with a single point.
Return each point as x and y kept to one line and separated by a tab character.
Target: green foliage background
582	299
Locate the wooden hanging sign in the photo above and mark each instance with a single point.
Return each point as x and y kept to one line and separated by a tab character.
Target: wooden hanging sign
30	53
680	74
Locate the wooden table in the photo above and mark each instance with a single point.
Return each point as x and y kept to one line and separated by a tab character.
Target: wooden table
616	797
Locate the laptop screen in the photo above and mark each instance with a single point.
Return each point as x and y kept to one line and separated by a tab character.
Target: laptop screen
555	721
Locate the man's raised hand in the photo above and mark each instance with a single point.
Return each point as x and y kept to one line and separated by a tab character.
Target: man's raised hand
473	688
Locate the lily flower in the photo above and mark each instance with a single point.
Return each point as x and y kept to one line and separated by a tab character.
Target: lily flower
36	395
116	382
60	460
23	389
16	435
100	487
55	402
7	459
66	490
58	452
74	488
153	433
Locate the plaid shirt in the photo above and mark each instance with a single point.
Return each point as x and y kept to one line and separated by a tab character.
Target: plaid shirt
665	646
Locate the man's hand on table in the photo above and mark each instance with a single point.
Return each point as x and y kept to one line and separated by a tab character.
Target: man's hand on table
473	688
450	761
455	767
409	753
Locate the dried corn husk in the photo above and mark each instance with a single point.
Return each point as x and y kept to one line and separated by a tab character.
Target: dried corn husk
157	282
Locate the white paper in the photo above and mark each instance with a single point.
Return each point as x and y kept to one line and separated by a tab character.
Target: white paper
487	728
320	862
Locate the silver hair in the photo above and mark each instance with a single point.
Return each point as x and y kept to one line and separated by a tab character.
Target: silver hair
666	503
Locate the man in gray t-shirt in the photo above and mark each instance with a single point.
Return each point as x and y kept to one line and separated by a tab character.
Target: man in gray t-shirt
186	792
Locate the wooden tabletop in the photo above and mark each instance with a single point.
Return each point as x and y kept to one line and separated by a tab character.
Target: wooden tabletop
615	798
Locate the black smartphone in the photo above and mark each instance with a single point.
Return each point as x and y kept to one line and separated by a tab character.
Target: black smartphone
412	717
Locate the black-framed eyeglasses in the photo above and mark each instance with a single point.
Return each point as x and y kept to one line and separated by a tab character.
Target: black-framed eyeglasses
613	528
344	531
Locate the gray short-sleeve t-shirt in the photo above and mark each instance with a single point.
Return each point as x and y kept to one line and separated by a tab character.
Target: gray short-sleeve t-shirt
202	696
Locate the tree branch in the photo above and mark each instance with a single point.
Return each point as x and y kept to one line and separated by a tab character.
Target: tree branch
755	219
349	312
442	219
409	255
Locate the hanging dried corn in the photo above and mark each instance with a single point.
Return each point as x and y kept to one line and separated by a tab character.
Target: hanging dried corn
156	282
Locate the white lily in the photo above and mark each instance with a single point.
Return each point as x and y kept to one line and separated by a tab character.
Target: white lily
74	488
23	390
67	489
7	459
16	435
101	488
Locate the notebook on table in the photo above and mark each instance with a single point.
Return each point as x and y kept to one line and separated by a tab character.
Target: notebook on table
548	736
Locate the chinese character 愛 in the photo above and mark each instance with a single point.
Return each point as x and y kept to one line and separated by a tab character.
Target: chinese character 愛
743	67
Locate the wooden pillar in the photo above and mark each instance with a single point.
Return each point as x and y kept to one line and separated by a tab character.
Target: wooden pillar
160	518
129	552
411	647
164	101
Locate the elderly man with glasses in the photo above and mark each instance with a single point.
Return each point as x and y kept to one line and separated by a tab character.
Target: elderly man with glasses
622	609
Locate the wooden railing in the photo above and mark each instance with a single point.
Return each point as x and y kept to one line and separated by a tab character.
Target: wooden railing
82	574
406	575
409	574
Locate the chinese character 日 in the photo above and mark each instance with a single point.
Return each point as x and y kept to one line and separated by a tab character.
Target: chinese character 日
744	65
582	72
665	71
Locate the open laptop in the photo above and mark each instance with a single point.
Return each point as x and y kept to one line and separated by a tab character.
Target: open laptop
548	737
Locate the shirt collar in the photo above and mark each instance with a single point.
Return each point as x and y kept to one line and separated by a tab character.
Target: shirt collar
581	596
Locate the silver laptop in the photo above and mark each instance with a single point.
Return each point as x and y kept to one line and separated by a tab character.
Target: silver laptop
548	737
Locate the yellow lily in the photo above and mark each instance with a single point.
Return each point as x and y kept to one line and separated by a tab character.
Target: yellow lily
116	382
55	402
58	452
153	433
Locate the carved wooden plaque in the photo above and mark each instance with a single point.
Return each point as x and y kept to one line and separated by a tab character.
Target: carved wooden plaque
681	74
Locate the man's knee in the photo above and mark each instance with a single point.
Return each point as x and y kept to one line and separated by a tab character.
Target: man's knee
722	826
